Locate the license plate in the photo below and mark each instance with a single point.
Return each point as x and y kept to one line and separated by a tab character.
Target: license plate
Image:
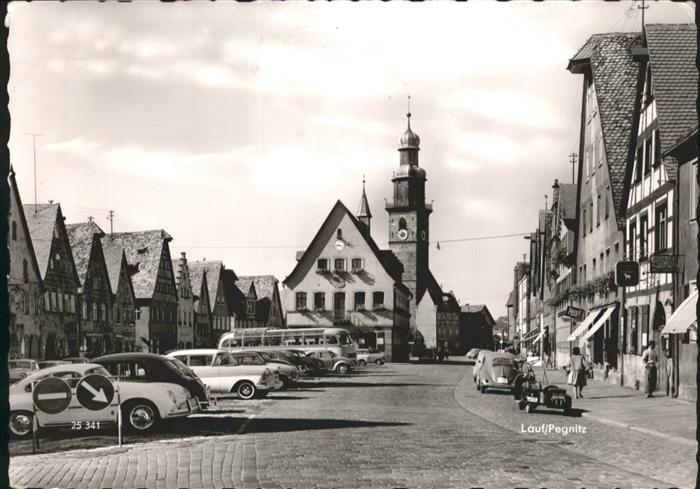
533	399
502	380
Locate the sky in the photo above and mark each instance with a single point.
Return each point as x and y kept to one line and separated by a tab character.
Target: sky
236	127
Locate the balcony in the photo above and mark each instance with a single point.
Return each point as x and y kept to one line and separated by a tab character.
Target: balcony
392	206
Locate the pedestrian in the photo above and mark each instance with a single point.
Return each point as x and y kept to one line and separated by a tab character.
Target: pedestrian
440	355
669	373
650	359
447	354
576	370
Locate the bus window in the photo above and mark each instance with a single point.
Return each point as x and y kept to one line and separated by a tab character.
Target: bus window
331	340
345	339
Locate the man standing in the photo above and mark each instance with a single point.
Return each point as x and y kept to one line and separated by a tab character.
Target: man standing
650	359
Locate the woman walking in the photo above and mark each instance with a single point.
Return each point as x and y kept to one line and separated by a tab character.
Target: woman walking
577	371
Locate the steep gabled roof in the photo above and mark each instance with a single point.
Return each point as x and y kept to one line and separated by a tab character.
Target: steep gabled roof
81	236
114	254
14	190
392	266
511	299
480	309
567	200
433	289
41	221
213	270
672	51
615	75
265	285
143	250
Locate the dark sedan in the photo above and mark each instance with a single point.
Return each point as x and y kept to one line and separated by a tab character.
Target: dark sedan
158	368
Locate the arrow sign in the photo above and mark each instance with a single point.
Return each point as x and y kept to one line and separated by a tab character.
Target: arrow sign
52	395
95	392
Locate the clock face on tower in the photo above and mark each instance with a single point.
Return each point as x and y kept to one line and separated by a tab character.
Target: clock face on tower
340	245
403	234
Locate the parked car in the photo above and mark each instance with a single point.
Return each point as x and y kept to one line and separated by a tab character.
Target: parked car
472	354
477	363
332	361
314	366
21	367
299	360
497	371
288	372
144	404
157	368
369	355
242	373
51	363
425	354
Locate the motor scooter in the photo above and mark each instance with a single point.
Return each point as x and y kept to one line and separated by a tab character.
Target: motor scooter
530	393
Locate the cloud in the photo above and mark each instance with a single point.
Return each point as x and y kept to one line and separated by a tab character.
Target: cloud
490	147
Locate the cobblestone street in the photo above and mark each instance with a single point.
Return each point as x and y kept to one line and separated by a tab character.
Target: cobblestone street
401	425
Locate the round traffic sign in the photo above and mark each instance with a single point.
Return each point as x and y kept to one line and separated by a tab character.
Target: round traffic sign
94	392
52	395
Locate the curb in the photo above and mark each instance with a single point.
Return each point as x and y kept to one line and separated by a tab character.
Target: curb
620	424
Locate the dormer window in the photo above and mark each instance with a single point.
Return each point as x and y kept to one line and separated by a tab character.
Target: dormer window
142	251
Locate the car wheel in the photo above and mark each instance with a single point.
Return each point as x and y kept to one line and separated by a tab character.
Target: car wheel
483	389
478	385
521	405
529	408
21	424
361	363
342	369
139	416
245	390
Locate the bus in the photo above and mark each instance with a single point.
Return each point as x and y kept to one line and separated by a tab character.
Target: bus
337	340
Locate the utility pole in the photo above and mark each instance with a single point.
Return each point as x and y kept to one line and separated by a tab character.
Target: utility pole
110	218
572	159
34	135
643	8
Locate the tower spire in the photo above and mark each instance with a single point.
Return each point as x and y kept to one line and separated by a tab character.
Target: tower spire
408	112
364	216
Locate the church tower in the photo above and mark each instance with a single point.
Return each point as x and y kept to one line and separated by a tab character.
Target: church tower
409	216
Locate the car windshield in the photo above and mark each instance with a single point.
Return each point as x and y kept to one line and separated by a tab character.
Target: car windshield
250	360
20	364
98	370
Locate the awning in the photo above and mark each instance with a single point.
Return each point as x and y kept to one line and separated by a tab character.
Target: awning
683	318
529	335
538	337
584	324
600	322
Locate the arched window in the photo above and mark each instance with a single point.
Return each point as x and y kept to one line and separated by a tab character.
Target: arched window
339	234
14	230
402	223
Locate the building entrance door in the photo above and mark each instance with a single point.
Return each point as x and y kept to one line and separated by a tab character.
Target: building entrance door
339	306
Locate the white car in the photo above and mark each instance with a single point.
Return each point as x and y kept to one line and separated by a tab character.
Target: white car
143	404
242	373
478	362
368	355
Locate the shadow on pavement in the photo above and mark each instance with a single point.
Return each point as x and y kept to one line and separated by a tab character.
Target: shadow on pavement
325	383
272	425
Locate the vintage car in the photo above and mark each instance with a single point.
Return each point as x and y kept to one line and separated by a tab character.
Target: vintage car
314	366
242	373
76	360
369	355
287	371
21	367
497	371
472	354
143	404
157	368
477	363
332	361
